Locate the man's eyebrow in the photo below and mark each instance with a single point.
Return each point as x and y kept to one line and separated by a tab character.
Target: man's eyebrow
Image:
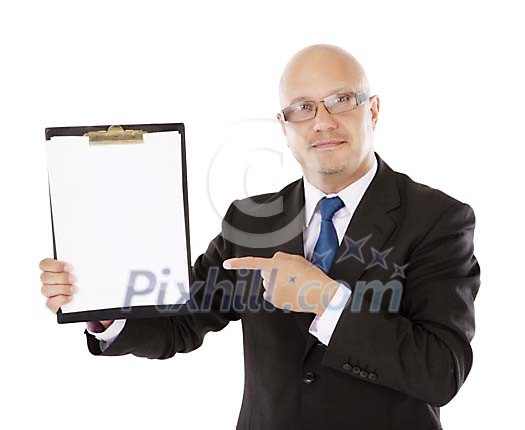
334	91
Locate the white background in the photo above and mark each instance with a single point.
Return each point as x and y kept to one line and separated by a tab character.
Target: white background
450	79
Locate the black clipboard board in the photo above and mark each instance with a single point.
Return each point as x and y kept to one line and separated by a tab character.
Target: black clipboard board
134	311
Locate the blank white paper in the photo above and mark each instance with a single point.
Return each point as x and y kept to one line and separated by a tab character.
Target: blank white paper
119	208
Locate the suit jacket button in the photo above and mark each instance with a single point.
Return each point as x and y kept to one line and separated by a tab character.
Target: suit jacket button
347	366
372	376
363	374
318	343
308	378
356	370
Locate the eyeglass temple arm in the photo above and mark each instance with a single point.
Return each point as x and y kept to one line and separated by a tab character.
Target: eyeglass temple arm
361	98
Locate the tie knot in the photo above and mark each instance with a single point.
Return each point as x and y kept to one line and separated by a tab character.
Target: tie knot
329	206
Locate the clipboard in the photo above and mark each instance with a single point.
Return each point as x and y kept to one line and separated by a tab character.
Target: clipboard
115	140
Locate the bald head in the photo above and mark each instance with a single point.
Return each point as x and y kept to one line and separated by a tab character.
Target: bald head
317	70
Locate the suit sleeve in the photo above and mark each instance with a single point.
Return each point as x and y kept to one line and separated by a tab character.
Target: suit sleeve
424	349
165	336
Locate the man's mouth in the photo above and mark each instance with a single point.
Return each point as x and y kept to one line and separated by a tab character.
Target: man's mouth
327	144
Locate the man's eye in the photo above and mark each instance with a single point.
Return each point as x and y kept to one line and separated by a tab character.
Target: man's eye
304	106
342	99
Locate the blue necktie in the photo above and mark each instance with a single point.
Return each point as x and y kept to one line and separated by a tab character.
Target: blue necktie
327	244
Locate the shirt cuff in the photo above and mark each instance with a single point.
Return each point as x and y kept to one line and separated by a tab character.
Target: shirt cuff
324	325
107	336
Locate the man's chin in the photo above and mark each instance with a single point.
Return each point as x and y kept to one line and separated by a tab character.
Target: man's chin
331	170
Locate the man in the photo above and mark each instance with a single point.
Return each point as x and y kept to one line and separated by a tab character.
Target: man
350	232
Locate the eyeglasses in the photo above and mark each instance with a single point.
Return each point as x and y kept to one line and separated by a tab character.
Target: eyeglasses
336	103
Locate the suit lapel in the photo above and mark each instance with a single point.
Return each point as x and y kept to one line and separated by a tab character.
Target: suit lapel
371	219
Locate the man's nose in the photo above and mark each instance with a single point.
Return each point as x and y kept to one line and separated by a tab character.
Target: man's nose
323	120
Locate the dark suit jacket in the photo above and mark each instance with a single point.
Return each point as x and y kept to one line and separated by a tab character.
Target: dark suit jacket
381	370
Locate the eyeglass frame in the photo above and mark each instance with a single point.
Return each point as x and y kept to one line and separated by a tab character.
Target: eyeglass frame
360	98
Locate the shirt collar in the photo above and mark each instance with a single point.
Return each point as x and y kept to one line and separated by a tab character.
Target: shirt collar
351	195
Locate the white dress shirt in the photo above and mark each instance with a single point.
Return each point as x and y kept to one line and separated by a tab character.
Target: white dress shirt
323	325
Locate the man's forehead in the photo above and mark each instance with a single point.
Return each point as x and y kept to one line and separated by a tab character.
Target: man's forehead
318	89
318	71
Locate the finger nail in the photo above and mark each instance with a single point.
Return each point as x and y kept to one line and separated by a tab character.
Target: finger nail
72	278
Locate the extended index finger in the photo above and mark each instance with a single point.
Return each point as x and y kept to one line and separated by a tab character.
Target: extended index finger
251	263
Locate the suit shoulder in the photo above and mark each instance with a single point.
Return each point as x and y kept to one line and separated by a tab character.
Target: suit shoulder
424	209
258	205
257	212
432	200
268	197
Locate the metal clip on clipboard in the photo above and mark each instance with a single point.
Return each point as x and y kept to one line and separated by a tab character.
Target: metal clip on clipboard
115	134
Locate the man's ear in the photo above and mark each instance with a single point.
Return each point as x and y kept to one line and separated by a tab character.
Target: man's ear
283	127
281	121
374	110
